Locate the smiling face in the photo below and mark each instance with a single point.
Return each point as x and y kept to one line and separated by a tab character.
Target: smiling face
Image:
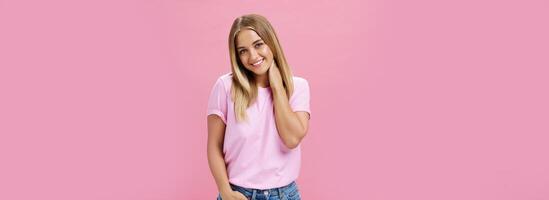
254	54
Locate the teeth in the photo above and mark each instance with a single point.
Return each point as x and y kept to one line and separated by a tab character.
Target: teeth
258	62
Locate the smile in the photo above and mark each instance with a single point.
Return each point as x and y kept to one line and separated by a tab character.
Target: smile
258	63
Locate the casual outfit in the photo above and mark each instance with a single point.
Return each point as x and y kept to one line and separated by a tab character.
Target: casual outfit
255	155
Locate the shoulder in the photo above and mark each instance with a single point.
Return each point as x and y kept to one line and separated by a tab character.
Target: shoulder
300	82
225	80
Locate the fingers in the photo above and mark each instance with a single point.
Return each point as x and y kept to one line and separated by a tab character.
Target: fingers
241	196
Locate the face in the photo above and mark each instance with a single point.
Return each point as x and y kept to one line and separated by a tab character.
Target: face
254	54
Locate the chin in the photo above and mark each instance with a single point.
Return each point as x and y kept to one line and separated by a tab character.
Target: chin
259	72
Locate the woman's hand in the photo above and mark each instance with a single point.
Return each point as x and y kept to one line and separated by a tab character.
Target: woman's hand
233	195
275	79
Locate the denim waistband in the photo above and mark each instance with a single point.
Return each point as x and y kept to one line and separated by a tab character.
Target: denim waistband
267	192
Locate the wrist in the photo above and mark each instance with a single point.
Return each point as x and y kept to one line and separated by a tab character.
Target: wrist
225	190
277	88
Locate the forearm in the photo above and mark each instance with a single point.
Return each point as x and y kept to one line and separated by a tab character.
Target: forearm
218	168
289	127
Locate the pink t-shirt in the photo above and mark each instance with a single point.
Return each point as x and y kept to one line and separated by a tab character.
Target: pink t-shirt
254	152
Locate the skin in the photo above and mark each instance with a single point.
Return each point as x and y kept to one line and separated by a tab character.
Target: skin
251	49
292	126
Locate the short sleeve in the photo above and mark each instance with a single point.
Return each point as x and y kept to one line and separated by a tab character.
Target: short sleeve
217	103
301	96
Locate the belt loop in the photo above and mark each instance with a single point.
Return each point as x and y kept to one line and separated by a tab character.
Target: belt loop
254	192
281	194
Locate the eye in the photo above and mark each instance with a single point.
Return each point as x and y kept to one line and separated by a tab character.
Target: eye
242	51
259	45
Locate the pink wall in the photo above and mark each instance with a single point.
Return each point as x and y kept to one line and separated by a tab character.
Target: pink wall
410	99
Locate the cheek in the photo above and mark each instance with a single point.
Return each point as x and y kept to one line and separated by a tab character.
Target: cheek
243	59
266	52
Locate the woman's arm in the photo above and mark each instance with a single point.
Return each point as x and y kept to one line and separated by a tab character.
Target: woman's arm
292	126
216	133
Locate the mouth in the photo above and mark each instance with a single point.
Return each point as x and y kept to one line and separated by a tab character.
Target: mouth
258	63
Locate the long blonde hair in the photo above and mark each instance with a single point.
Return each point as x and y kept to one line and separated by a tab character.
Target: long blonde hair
244	87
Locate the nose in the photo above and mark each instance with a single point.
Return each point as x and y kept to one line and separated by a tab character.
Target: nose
253	55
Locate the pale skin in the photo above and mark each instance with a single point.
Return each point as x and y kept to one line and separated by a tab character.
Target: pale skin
292	126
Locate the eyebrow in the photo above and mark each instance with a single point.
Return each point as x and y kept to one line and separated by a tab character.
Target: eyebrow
259	40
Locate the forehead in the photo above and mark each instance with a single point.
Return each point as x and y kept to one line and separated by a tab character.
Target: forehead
246	37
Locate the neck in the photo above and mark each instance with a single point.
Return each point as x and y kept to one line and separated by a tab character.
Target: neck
262	81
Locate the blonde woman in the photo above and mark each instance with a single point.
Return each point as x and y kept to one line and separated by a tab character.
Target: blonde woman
257	117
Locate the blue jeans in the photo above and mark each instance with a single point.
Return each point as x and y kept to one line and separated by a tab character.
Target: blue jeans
289	192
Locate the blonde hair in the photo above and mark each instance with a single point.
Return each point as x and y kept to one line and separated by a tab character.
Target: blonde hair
244	87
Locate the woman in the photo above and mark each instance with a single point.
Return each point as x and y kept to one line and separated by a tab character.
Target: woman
257	117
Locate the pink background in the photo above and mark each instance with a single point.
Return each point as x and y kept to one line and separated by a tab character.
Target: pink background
411	99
